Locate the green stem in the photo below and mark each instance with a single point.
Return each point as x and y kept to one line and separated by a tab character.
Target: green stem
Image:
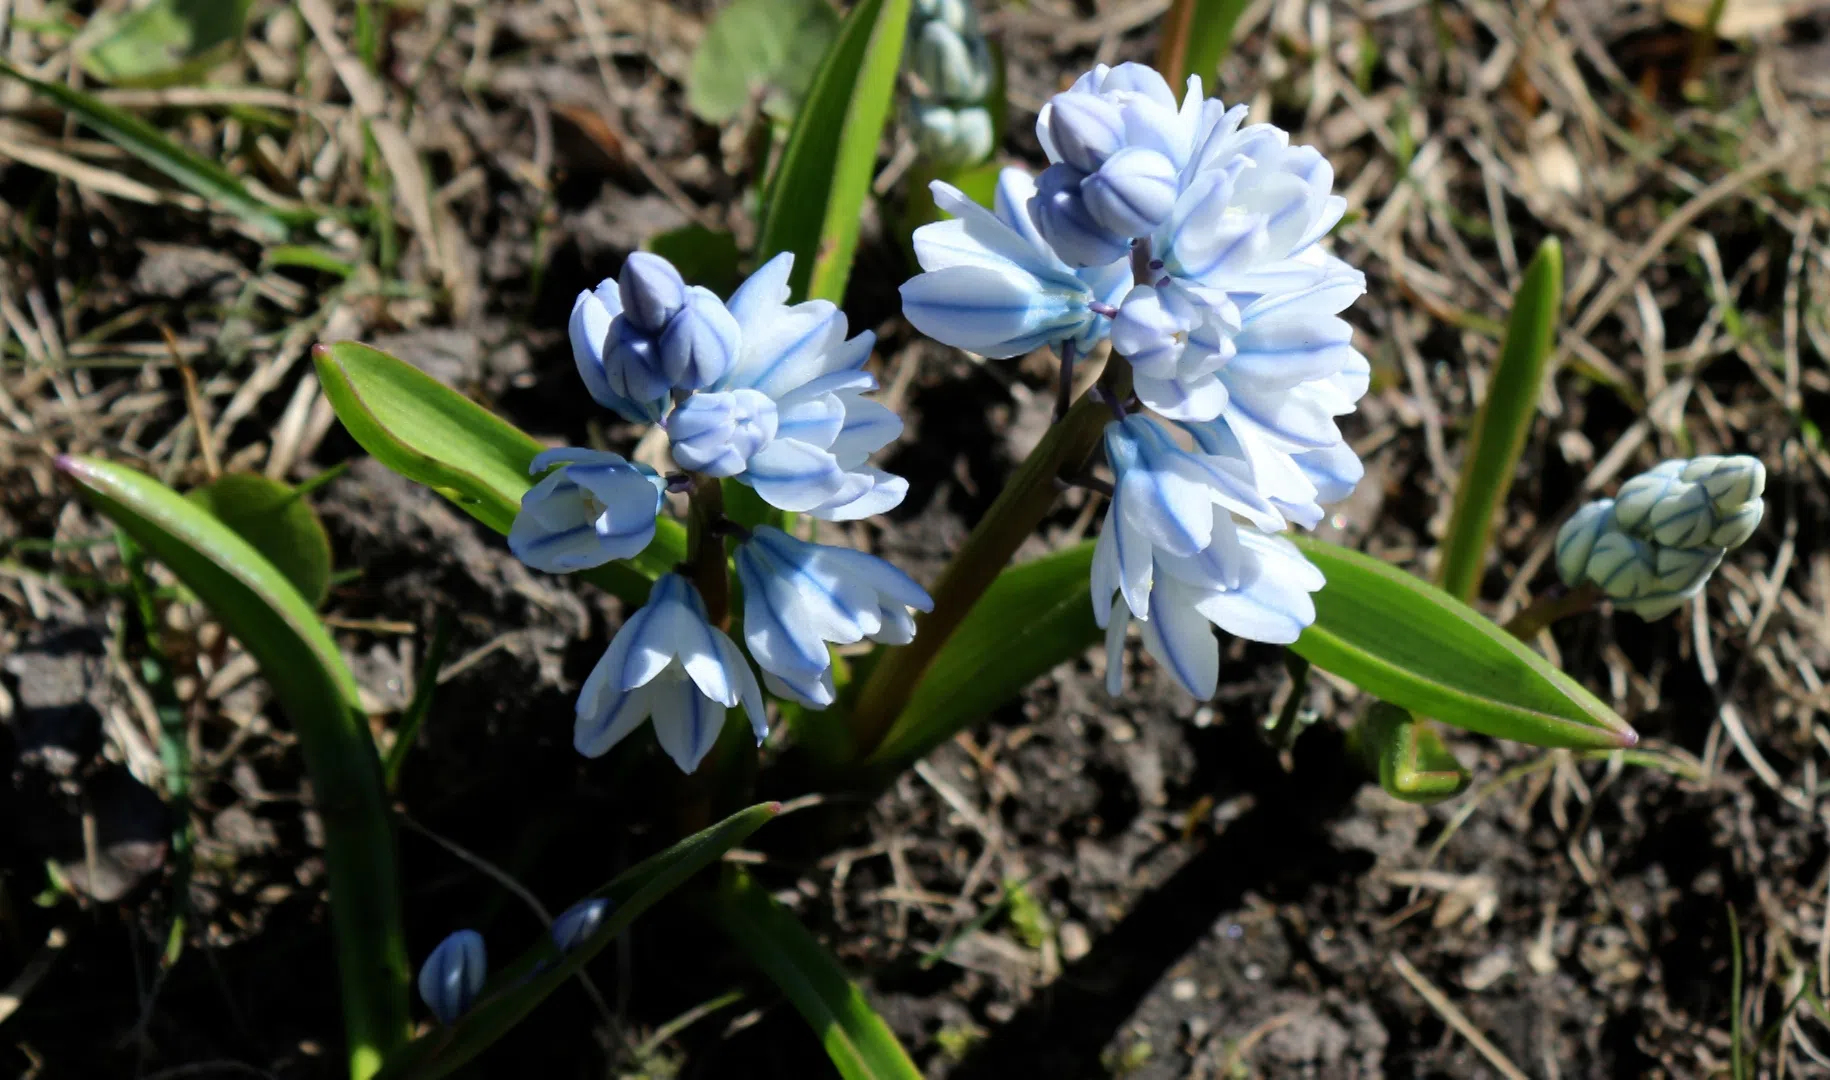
707	563
1551	607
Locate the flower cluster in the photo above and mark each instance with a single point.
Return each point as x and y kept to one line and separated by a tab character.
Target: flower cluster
1654	545
756	390
1188	240
952	67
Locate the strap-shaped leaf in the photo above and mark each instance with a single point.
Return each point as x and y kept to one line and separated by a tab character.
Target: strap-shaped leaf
856	1038
1035	616
1415	646
143	141
1503	422
512	993
815	202
279	523
314	687
1408	756
430	433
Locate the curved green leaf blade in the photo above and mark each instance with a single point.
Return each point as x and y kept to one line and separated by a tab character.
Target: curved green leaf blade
1503	422
163	42
309	679
816	198
1409	643
1035	616
1408	756
430	433
512	993
856	1038
772	46
143	141
278	522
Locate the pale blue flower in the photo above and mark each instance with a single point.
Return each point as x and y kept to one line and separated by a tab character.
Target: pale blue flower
1266	598
668	663
717	432
652	291
577	923
1066	222
595	316
798	357
1168	503
700	341
1133	192
800	596
594	508
453	975
994	286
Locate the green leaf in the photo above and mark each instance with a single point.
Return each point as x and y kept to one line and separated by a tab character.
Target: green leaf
430	433
143	141
1503	422
1408	756
1210	36
278	522
1034	617
512	993
1411	644
703	256
815	204
277	626
856	1038
753	46
162	43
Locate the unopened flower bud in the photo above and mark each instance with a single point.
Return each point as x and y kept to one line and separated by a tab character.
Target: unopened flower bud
700	343
1132	193
1576	540
717	433
953	70
452	976
577	923
652	290
632	366
1084	129
1061	216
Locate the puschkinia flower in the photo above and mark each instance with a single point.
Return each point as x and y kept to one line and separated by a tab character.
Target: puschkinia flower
789	417
1656	543
452	977
667	663
577	923
594	508
800	596
1259	590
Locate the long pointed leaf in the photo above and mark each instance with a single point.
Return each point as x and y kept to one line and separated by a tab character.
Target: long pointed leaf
430	433
816	197
314	687
514	992
1415	646
856	1038
1504	420
1035	616
142	140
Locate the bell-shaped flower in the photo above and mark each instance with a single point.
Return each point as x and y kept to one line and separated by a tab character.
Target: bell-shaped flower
800	596
717	432
594	508
1265	596
667	663
577	923
1132	193
603	356
452	977
799	358
652	292
1168	502
700	342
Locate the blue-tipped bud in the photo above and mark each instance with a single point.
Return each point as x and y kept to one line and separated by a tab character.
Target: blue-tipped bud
1061	216
1132	193
1084	129
717	433
1576	540
452	976
577	923
632	367
701	342
652	290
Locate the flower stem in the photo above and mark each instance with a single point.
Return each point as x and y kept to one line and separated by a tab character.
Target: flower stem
1551	607
706	561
